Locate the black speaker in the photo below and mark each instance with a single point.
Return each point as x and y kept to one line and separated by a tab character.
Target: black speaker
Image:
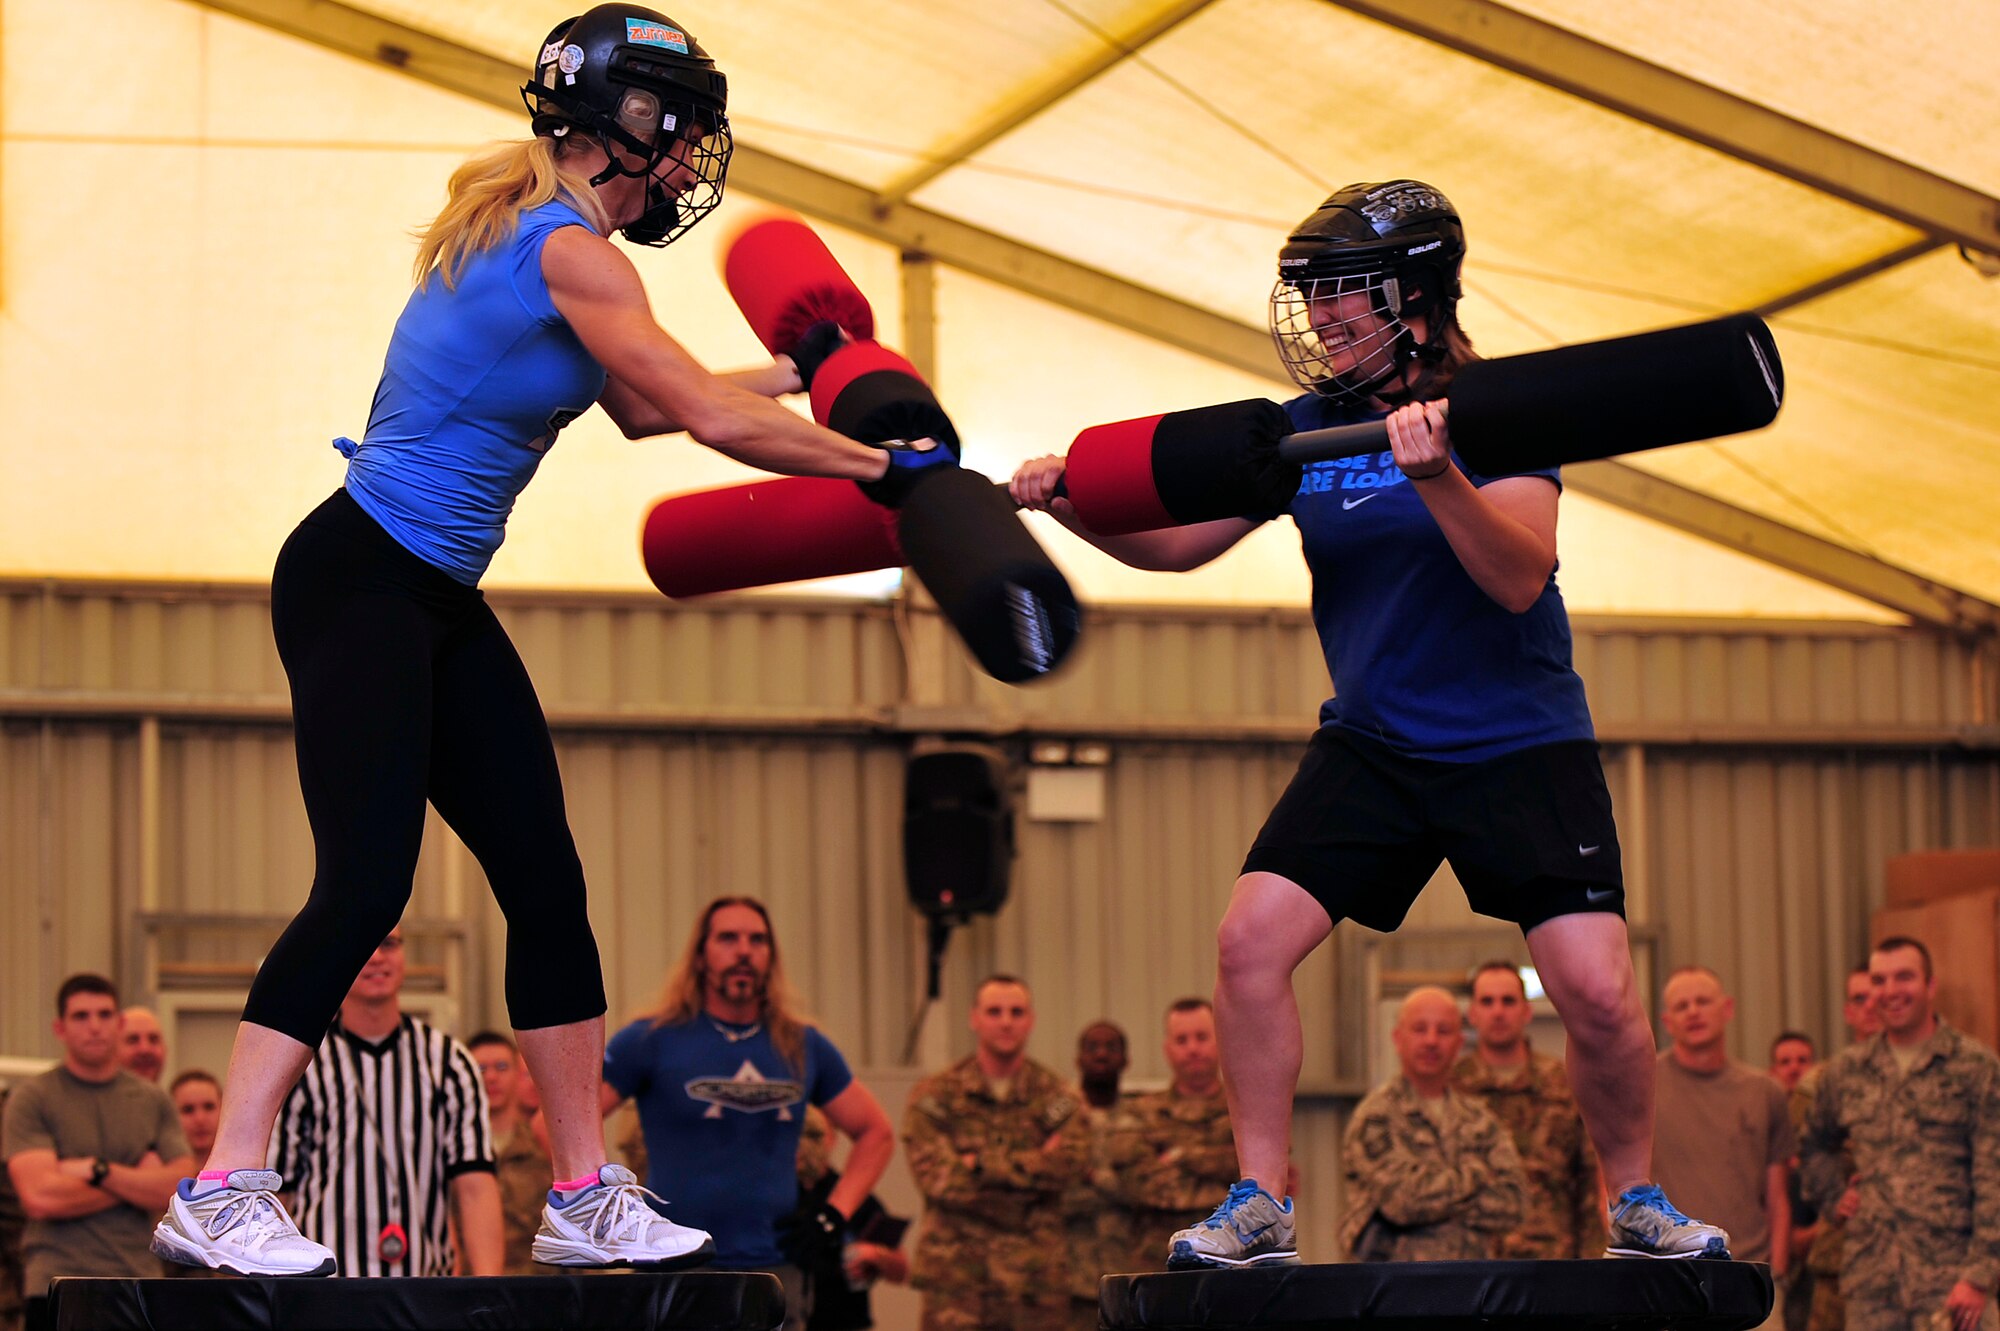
958	831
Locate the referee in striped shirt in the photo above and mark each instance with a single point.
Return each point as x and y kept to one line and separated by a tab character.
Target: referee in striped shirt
384	1143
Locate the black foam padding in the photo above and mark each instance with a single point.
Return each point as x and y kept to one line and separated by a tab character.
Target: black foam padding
1222	461
1599	399
618	1301
1011	605
888	404
1608	1294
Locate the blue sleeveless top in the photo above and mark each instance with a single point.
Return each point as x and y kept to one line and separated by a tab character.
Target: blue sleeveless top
1423	660
477	384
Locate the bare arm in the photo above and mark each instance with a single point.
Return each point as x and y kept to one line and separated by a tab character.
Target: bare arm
639	419
1504	534
597	291
1168	550
148	1185
475	1205
52	1189
860	1116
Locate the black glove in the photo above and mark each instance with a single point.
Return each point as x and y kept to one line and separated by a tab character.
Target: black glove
812	1232
908	469
814	346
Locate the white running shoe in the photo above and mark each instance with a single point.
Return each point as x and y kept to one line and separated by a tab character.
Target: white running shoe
1645	1224
237	1226
610	1224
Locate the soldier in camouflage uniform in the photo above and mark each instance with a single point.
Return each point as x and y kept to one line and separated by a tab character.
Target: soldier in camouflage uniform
521	1161
1903	1145
992	1144
1099	1230
1562	1212
1431	1175
1827	1311
1170	1156
1793	1058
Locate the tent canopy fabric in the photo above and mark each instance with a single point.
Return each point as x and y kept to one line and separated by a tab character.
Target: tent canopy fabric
1103	184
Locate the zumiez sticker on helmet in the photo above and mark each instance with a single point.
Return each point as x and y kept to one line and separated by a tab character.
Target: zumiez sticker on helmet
645	32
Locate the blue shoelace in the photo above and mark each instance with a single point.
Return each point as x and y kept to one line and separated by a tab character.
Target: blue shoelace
1239	1193
1653	1196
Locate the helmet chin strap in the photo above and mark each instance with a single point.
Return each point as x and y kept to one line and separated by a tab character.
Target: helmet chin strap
1424	357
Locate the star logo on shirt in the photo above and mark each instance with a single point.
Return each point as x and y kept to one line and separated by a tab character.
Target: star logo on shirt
749	1092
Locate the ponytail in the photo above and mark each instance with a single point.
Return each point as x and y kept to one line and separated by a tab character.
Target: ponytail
488	194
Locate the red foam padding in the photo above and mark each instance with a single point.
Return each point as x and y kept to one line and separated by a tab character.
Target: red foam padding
765	533
1109	476
846	365
785	280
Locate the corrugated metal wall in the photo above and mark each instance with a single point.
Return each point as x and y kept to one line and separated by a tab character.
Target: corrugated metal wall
1762	772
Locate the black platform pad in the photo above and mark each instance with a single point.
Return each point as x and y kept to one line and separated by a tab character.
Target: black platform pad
614	1301
1615	1295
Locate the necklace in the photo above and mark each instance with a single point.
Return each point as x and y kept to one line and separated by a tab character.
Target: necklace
733	1034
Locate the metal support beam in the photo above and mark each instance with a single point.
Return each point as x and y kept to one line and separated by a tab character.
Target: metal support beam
1680	105
476	74
1725	524
1031	101
1860	272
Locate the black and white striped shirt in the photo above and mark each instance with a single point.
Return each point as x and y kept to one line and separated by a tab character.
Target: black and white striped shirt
372	1135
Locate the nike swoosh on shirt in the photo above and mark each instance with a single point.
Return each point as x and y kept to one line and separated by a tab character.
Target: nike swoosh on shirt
1356	503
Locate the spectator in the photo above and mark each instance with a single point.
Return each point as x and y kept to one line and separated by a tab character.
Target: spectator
1431	1174
1100	1063
1827	1255
1562	1212
12	1221
384	1139
93	1151
1172	1156
840	1280
1902	1145
520	1161
142	1044
1858	1011
197	1098
1099	1229
991	1143
1792	1056
722	1071
1721	1132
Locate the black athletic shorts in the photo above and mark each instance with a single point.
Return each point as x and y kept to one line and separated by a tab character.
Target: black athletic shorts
1363	827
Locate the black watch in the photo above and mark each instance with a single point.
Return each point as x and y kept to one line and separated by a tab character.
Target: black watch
99	1168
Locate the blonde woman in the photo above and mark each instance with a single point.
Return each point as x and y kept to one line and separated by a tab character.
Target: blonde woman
405	687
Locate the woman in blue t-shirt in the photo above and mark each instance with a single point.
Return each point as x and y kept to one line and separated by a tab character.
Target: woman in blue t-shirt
405	688
1458	730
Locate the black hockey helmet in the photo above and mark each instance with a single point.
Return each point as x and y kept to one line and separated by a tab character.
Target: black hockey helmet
1400	245
642	86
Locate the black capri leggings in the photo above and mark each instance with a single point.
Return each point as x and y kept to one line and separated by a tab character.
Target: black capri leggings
404	689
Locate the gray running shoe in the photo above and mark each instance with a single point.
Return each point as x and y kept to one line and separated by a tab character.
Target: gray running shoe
1645	1224
238	1227
610	1224
1250	1228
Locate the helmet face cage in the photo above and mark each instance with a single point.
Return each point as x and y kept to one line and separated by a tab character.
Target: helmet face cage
636	82
1342	337
1351	279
